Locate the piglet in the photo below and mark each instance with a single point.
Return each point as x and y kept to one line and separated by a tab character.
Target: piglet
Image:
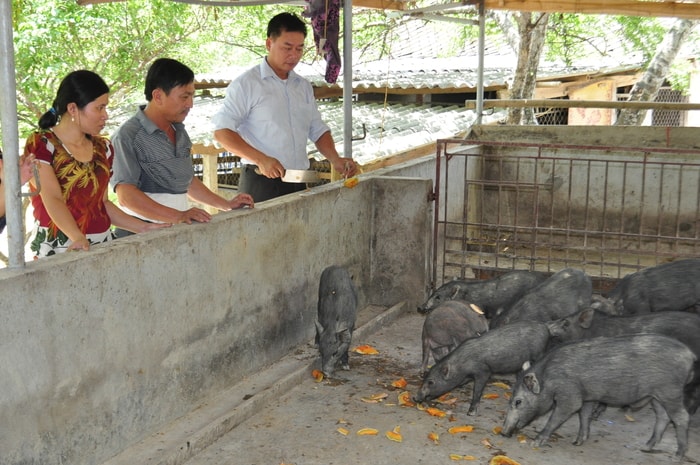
337	311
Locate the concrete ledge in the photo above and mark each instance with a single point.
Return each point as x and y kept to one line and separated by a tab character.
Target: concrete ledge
184	438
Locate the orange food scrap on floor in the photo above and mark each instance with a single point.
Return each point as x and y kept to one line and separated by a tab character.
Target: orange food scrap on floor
500	385
342	431
400	383
461	429
405	399
367	432
436	412
366	350
434	437
395	434
375	398
461	457
522	439
497	430
491	396
502	460
318	375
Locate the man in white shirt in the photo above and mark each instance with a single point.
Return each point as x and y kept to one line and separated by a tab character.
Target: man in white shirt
270	112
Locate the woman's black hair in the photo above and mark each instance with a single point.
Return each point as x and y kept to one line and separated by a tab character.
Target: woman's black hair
80	87
166	74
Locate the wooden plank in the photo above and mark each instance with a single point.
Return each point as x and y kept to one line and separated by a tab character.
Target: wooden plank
546	103
605	7
380	4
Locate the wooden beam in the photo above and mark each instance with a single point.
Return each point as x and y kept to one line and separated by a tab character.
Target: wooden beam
546	103
380	4
674	9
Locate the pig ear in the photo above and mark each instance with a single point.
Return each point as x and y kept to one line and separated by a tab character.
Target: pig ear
319	328
530	381
585	318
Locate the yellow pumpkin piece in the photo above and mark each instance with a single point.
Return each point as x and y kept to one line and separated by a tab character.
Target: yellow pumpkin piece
497	430
351	182
629	418
461	429
400	383
421	407
461	457
395	434
502	460
318	375
491	396
367	432
500	385
366	350
375	398
436	412
522	439
343	431
434	437
443	399
405	399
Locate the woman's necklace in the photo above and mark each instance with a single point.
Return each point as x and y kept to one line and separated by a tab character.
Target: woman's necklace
84	152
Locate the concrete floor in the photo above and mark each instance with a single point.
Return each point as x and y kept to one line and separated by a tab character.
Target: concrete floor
299	423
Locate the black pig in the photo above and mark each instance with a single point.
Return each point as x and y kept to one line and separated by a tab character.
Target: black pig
337	310
490	295
623	370
500	351
564	293
670	286
448	325
590	323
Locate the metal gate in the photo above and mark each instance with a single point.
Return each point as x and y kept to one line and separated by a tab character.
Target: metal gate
608	211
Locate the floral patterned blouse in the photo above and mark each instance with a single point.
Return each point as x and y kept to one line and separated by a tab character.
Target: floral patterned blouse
83	184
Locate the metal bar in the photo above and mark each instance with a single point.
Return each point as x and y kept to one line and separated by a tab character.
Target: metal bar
480	73
10	142
347	79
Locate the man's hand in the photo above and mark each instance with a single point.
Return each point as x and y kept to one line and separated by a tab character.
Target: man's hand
194	214
240	201
346	167
271	168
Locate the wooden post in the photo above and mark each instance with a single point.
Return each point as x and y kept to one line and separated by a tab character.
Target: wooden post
210	162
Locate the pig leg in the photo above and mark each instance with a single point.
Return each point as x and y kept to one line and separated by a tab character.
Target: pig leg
680	418
345	361
662	420
480	380
563	409
585	415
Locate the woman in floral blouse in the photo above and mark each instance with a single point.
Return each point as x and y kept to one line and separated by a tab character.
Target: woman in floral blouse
75	164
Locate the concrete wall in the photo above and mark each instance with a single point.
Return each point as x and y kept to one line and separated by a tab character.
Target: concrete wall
98	349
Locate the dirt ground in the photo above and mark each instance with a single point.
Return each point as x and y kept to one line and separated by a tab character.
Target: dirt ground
302	426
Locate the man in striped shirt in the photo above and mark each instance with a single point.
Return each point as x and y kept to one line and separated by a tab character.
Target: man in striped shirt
153	174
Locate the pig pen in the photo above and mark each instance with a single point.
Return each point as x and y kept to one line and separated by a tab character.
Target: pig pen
317	423
606	200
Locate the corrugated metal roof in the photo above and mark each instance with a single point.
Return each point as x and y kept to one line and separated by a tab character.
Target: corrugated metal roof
390	129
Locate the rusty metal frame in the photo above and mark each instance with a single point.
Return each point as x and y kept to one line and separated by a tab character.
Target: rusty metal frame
608	210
